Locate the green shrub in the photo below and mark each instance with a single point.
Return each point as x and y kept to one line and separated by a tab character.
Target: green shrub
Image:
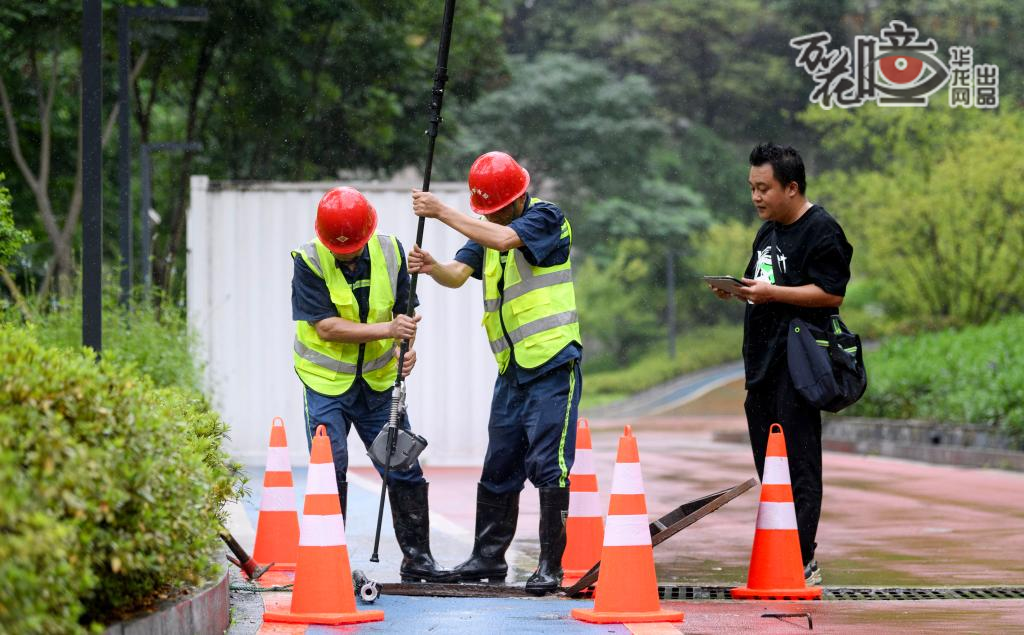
152	337
111	487
972	375
12	239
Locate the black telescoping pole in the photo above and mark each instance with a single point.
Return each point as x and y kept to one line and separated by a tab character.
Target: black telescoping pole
436	97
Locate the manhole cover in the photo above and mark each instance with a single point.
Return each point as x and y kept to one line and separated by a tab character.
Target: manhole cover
683	592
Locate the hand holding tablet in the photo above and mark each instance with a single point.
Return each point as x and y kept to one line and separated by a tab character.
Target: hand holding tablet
728	284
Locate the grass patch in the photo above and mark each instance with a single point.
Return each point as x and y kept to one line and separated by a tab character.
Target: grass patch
699	348
969	375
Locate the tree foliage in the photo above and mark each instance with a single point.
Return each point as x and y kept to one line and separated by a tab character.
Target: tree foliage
636	116
936	218
582	131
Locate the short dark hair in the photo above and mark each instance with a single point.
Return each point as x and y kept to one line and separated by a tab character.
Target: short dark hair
787	166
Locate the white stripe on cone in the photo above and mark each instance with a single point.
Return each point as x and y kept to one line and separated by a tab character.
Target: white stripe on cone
277	499
627	530
583	463
322	531
776	471
277	460
627	479
321	479
584	505
776	516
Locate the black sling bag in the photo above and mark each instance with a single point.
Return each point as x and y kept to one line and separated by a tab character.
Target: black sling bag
825	364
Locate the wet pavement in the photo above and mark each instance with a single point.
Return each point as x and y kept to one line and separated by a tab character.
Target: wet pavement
885	523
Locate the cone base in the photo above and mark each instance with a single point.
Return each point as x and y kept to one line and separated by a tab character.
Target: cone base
325	618
282	566
570	578
615	617
746	593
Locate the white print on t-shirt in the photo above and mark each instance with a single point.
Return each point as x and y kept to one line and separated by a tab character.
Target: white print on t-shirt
764	269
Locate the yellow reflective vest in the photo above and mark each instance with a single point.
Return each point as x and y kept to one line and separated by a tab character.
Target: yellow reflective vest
330	368
535	314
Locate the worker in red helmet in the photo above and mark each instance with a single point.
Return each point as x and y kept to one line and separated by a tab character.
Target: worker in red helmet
520	250
349	291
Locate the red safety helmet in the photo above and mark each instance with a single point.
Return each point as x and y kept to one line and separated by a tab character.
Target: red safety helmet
495	180
345	220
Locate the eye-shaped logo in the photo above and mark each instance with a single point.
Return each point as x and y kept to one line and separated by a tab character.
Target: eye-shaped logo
908	75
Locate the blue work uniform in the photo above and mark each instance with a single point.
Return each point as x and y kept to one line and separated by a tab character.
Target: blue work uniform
360	406
532	427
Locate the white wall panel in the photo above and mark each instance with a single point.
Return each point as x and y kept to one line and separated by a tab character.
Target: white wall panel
239	304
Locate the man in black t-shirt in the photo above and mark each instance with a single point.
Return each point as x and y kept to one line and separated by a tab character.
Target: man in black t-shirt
799	267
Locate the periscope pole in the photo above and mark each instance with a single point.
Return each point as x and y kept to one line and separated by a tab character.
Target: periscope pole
398	393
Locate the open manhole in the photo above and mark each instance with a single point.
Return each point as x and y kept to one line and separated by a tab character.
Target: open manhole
683	592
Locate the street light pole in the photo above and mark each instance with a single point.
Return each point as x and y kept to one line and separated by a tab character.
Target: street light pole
124	154
670	291
92	174
147	197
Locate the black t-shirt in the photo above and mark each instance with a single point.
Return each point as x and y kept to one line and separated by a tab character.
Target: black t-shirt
812	250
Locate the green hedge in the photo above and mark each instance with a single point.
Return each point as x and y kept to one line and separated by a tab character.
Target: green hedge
110	487
972	375
154	338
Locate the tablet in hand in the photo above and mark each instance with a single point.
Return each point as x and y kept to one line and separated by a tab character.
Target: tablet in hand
728	284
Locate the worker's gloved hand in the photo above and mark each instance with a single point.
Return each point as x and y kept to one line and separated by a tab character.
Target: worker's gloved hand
403	327
420	261
410	360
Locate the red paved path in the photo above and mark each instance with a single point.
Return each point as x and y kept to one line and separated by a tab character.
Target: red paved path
884	522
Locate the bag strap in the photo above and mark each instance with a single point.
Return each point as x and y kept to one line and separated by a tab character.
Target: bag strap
832	332
775	255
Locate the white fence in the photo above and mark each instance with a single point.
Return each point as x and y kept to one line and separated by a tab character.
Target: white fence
239	303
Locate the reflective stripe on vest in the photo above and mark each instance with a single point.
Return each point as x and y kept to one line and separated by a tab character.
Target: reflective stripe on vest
331	367
532	328
339	366
530	281
536	307
312	259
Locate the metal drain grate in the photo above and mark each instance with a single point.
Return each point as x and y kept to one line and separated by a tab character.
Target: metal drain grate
684	592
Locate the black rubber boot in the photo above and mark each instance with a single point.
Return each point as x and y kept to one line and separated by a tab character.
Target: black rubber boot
410	513
554	507
496	517
343	499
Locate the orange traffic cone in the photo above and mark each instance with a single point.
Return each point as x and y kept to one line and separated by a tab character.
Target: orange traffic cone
323	592
775	561
627	589
277	530
584	528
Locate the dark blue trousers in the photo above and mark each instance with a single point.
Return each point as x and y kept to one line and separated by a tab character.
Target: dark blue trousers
363	408
532	432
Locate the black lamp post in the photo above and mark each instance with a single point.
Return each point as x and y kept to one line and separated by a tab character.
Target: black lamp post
147	197
124	154
92	174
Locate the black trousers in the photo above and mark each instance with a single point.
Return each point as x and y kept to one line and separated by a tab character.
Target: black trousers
775	400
